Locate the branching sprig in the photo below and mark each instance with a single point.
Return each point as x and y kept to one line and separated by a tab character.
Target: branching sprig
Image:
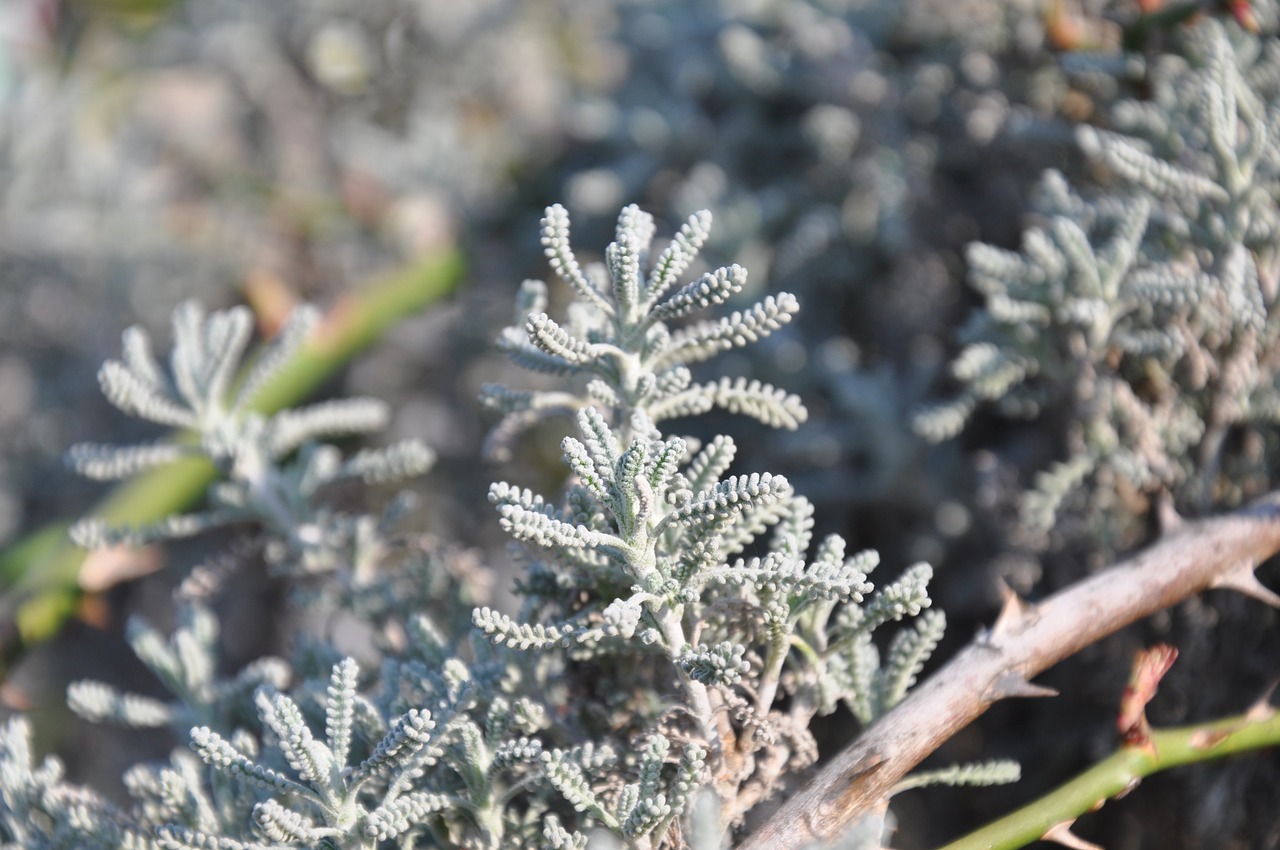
187	663
271	467
341	804
639	561
619	331
37	809
1144	312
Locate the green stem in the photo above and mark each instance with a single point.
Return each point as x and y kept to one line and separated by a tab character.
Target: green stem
806	649
39	575
1122	771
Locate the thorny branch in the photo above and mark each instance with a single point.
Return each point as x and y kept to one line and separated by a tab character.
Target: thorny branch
1025	640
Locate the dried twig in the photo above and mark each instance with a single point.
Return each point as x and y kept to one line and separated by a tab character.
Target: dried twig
1026	640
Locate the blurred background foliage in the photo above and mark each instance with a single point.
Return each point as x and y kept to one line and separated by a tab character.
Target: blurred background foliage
285	151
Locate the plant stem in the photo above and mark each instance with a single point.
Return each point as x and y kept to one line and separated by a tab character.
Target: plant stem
39	575
1120	772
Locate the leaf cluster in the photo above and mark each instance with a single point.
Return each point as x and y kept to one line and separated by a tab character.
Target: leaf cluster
271	468
1145	310
680	624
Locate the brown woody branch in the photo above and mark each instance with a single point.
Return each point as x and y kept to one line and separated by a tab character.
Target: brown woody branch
1025	640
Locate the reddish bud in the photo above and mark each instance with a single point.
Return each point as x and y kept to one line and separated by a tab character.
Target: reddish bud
1149	667
1242	11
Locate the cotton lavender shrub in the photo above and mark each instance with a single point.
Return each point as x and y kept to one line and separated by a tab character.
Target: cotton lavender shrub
1144	309
679	626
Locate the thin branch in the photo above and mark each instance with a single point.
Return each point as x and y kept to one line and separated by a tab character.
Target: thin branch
1027	640
1122	770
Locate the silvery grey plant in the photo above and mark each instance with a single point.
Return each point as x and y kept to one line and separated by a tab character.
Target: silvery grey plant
680	627
270	467
1146	308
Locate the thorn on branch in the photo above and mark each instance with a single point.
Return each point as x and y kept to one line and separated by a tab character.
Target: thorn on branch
1207	739
1061	833
1015	614
1013	684
1260	712
1240	578
1167	515
1262	709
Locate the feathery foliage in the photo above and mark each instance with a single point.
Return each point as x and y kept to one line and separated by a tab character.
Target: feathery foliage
679	627
1145	309
640	575
271	467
